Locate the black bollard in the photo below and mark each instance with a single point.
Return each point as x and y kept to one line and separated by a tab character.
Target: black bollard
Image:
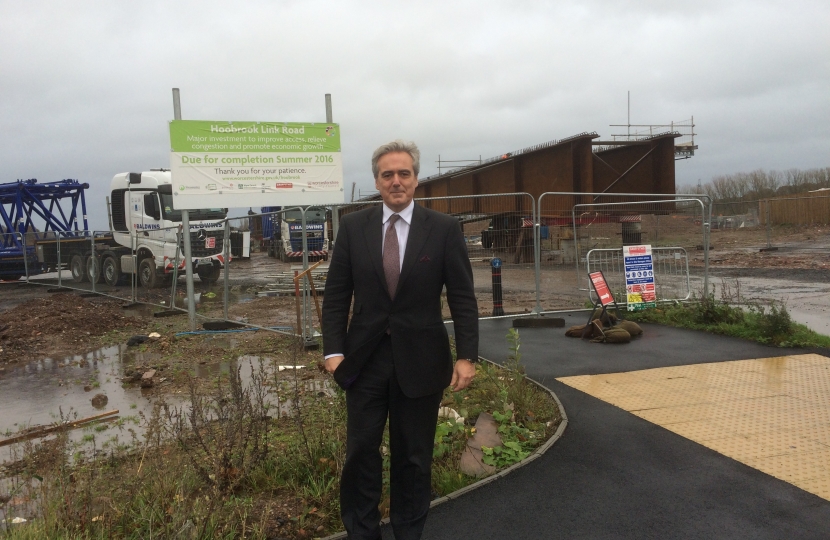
498	309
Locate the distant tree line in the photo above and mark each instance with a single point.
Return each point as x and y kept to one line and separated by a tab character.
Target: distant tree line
736	191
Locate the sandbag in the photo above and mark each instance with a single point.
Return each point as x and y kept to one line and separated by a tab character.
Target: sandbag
631	327
578	330
575	331
613	335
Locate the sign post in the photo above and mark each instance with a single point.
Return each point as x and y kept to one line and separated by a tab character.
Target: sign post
639	277
604	298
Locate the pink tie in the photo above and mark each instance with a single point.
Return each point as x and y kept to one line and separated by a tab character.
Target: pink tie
391	256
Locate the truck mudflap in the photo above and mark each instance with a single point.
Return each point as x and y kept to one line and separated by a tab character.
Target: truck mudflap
168	262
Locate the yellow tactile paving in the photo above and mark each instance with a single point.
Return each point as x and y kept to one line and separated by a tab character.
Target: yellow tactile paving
772	414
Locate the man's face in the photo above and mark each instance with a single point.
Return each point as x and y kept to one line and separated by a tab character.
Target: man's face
396	180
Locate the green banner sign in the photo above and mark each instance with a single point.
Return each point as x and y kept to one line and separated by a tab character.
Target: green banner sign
238	164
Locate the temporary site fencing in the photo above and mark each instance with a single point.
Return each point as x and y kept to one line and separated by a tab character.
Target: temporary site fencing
546	248
591	230
773	220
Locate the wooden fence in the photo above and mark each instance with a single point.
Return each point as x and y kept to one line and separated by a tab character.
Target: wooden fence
802	209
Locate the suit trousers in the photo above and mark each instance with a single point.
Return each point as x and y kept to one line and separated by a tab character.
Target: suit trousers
374	396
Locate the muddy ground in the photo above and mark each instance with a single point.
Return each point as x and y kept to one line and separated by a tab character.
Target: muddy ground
37	324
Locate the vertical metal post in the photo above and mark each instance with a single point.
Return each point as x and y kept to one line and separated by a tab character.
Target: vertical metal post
335	212
537	253
96	268
134	279
576	252
177	104
25	255
188	259
59	266
176	268
498	305
706	229
188	265
306	331
226	248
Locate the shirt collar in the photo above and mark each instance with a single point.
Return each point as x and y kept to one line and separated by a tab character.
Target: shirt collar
406	213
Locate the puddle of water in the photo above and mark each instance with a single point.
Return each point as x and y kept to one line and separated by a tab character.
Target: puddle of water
35	393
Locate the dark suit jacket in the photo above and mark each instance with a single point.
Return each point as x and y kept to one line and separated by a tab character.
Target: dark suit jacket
435	256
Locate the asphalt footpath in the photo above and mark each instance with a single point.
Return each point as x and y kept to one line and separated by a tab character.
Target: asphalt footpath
614	475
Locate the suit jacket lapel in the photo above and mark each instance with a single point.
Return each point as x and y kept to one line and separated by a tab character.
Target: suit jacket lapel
373	234
418	234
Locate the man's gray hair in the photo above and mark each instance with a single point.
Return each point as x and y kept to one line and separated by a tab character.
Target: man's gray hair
397	146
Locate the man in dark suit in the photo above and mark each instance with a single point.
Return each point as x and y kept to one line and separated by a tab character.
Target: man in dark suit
393	357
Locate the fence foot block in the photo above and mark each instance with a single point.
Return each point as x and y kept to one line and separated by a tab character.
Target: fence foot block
539	322
221	325
168	313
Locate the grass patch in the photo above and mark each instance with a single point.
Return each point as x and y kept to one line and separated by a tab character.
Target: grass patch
769	324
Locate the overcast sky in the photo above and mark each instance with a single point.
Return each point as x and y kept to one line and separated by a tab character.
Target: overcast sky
85	87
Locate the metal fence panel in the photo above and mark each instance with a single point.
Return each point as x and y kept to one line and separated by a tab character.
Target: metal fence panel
497	226
671	272
573	224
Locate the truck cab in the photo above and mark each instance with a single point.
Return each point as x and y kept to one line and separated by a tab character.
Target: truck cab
286	229
144	223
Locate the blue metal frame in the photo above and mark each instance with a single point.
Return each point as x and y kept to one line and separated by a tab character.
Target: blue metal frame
23	208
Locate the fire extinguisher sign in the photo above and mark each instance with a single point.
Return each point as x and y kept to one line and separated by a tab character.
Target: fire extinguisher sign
639	277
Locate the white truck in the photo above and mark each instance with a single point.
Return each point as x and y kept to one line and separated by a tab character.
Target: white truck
286	234
143	223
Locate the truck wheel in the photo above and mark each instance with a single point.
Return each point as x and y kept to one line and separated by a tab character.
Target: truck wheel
209	275
93	269
111	270
147	275
78	268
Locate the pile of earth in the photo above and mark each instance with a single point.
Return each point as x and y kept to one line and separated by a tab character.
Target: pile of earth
58	324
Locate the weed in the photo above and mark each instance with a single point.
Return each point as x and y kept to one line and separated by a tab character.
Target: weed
774	322
770	324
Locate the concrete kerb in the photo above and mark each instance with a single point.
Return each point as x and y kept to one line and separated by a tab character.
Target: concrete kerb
536	454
